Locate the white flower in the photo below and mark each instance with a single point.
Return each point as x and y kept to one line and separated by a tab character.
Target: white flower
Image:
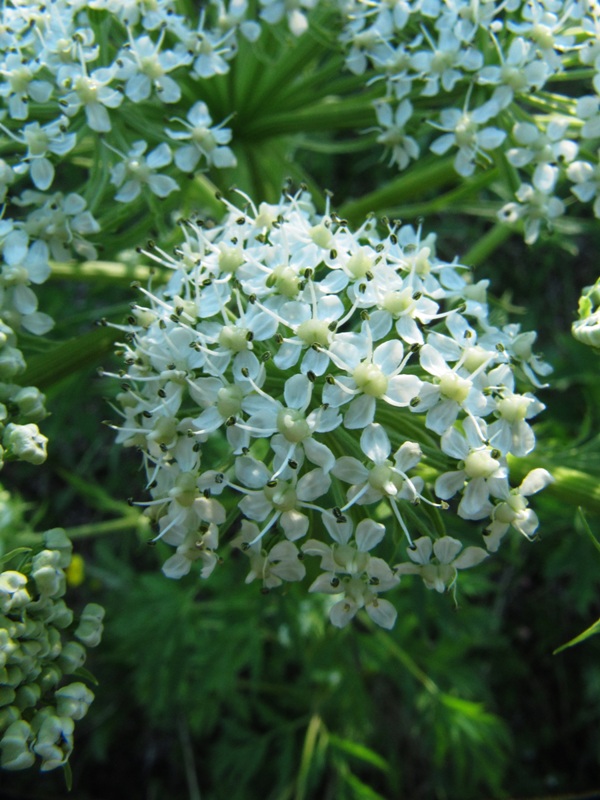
144	67
481	467
137	171
280	563
534	206
463	132
362	576
92	92
392	126
586	178
51	138
205	141
438	563
513	508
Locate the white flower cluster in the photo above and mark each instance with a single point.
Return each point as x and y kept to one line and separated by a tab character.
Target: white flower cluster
37	713
62	86
499	67
334	366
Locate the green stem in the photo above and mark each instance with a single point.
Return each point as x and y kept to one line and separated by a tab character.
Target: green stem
488	243
50	367
326	116
402	656
97	270
437	172
136	522
283	71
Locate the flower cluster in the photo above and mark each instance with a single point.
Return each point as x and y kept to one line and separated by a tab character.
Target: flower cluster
63	87
499	67
38	708
336	365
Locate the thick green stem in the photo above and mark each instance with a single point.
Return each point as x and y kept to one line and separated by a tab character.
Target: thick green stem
432	175
326	116
488	243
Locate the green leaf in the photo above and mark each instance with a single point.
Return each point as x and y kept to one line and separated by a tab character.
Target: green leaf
359	751
9	556
82	672
96	494
591	631
49	368
587	529
68	774
360	789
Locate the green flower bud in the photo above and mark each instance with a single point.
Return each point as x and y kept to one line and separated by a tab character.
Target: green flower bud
61	615
49	578
587	328
57	539
13	594
73	700
89	630
14	746
49	677
28	695
14	675
8	715
71	658
7	646
25	443
54	741
11	362
30	402
7	695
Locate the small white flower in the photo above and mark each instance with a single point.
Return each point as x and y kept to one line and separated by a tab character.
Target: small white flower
205	141
438	562
136	171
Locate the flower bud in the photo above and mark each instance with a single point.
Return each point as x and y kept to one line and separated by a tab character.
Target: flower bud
89	630
14	746
30	402
71	658
28	695
13	594
54	741
25	443
73	700
11	362
57	539
48	576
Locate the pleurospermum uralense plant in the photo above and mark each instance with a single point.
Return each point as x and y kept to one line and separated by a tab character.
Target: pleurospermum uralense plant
322	396
362	391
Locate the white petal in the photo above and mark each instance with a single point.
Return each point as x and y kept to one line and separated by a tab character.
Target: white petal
446	549
449	483
535	481
251	473
375	443
350	470
470	557
312	485
402	389
368	534
382	612
294	524
297	392
360	413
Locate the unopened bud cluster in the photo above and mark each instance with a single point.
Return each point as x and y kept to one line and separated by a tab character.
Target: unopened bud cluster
587	328
336	366
40	649
21	407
